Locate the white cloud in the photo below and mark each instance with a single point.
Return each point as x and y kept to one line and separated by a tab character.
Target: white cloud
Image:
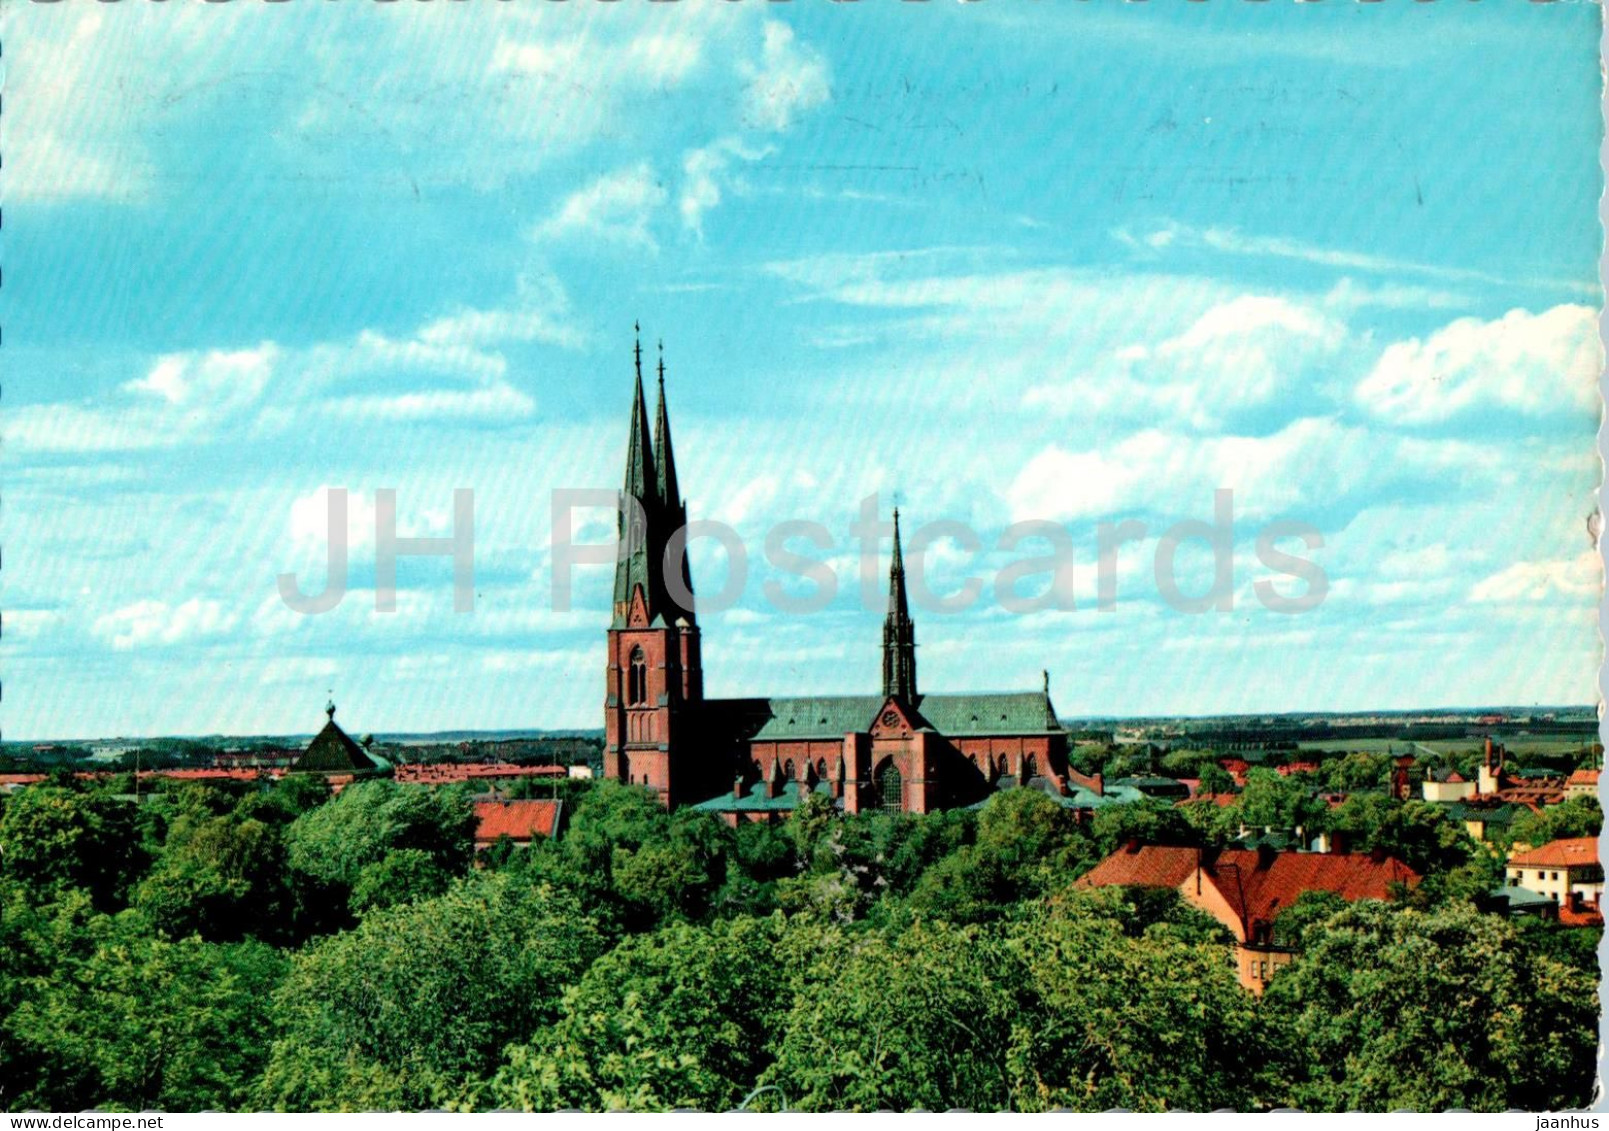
62	126
1533	364
1229	241
789	79
616	208
150	623
1311	462
1240	354
539	313
182	397
1575	579
214	381
448	369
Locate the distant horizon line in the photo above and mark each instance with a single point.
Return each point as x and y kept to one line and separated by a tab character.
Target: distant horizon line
511	733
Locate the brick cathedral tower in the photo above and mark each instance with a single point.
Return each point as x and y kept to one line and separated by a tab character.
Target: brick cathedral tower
655	674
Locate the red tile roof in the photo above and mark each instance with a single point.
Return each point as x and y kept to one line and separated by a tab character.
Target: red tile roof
1297	768
1588	916
1570	851
517	820
1142	865
1584	777
1257	886
466	771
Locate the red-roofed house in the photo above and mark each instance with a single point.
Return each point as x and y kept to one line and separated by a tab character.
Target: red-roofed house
1296	768
1582	783
1446	785
447	773
520	821
1246	890
1235	768
1566	871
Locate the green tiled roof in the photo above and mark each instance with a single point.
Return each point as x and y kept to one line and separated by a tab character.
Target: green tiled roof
833	716
755	800
1521	899
332	751
1463	811
1078	797
1278	839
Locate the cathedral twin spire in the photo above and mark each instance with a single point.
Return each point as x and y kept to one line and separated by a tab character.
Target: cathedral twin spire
651	511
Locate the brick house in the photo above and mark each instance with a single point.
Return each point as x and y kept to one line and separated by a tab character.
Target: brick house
1246	890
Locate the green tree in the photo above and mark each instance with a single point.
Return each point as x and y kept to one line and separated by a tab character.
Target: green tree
1355	771
219	877
1026	844
900	1019
401	876
126	1020
682	1017
1149	1023
1271	800
1576	817
329	847
657	866
1417	833
1151	821
413	1006
54	838
1215	779
1391	1007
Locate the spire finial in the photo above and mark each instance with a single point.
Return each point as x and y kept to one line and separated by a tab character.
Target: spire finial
661	361
329	705
636	329
1046	673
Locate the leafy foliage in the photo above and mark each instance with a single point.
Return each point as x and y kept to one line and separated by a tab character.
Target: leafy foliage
1393	1007
402	1010
241	947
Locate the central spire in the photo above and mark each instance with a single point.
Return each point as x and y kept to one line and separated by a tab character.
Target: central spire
899	633
673	512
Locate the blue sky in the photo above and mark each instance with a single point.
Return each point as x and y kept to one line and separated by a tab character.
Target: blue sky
1000	261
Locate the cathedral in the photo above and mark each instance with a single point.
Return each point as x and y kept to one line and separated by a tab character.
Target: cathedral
756	759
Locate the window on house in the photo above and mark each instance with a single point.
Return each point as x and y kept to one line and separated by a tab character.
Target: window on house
637	679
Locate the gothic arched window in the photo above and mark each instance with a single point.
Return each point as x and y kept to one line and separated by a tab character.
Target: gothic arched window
889	794
637	679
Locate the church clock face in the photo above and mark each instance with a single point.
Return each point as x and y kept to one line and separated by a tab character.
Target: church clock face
891	718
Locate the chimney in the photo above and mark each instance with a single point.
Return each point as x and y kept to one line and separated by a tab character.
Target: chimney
1338	842
773	781
737	788
1266	855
